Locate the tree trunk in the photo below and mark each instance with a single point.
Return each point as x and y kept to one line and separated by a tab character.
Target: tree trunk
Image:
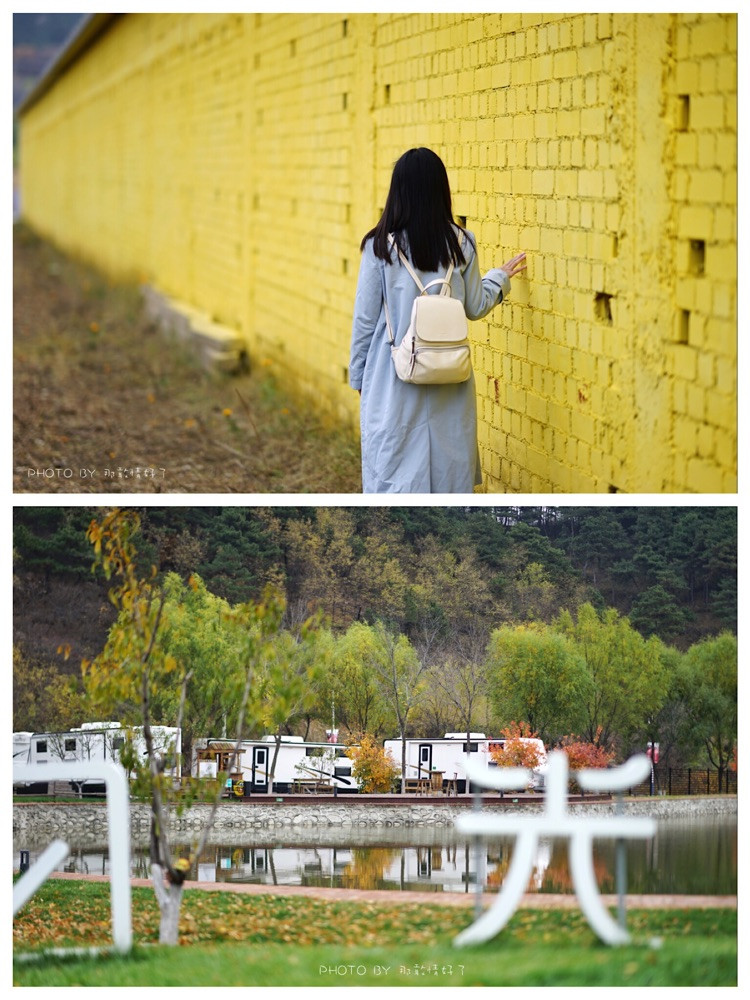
169	898
272	771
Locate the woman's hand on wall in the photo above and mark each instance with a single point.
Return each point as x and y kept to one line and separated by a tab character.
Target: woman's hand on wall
515	265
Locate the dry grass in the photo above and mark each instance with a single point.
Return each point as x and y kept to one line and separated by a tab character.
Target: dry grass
101	396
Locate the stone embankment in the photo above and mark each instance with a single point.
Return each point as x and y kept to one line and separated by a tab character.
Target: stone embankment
35	819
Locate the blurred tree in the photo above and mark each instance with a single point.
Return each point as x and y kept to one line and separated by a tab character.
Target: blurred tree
288	680
372	765
199	631
537	674
52	540
398	673
460	677
519	748
707	681
449	597
360	703
44	700
582	754
132	673
656	612
665	723
627	676
240	555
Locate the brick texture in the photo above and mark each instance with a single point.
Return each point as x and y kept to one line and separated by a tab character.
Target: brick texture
234	161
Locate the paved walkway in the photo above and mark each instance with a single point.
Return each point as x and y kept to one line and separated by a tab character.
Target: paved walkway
532	901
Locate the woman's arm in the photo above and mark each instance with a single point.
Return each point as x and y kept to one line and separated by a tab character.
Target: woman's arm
367	305
484	293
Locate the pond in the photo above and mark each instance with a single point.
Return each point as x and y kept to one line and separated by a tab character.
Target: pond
687	856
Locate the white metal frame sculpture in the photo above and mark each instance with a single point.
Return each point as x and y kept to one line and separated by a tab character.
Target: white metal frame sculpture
554	821
118	832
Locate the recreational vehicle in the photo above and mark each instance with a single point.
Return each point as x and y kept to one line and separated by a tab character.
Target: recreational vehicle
300	766
439	764
21	742
95	741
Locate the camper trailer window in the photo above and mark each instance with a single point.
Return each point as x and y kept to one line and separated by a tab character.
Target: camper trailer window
471	747
70	746
118	744
41	746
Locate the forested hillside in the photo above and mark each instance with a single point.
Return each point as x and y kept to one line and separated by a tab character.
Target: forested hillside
463	587
672	570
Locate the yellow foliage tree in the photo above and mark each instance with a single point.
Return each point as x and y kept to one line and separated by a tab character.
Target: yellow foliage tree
373	767
136	666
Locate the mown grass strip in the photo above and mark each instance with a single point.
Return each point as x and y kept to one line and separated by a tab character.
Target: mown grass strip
236	940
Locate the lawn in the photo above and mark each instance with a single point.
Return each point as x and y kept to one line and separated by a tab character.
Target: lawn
239	940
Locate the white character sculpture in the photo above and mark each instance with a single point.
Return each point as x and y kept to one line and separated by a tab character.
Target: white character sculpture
554	821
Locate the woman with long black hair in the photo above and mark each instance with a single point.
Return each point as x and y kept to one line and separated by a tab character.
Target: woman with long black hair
417	438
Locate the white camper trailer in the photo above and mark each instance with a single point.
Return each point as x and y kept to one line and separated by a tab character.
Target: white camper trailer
300	766
440	763
21	743
98	741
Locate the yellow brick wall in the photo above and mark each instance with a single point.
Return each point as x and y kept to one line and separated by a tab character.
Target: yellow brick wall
235	160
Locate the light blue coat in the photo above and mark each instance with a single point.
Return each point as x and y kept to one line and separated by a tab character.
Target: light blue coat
415	438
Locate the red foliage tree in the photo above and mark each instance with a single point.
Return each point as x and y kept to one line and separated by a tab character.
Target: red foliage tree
516	750
583	754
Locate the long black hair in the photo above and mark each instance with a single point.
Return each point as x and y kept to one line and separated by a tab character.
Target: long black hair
418	212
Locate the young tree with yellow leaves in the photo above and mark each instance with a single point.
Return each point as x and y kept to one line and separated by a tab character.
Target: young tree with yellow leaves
372	765
136	668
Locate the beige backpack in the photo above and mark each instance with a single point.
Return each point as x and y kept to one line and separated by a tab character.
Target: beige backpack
435	349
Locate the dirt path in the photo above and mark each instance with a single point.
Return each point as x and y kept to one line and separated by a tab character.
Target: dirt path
532	900
105	403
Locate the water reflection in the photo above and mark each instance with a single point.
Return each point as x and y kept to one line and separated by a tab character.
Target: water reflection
686	856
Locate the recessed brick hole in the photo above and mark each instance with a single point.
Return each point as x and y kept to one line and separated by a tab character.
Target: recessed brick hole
496	382
683	112
345	372
697	257
387	93
344	101
462	221
293	48
683	326
603	307
344	28
613	489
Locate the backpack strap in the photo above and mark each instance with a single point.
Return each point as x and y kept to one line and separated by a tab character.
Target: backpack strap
385	306
445	282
